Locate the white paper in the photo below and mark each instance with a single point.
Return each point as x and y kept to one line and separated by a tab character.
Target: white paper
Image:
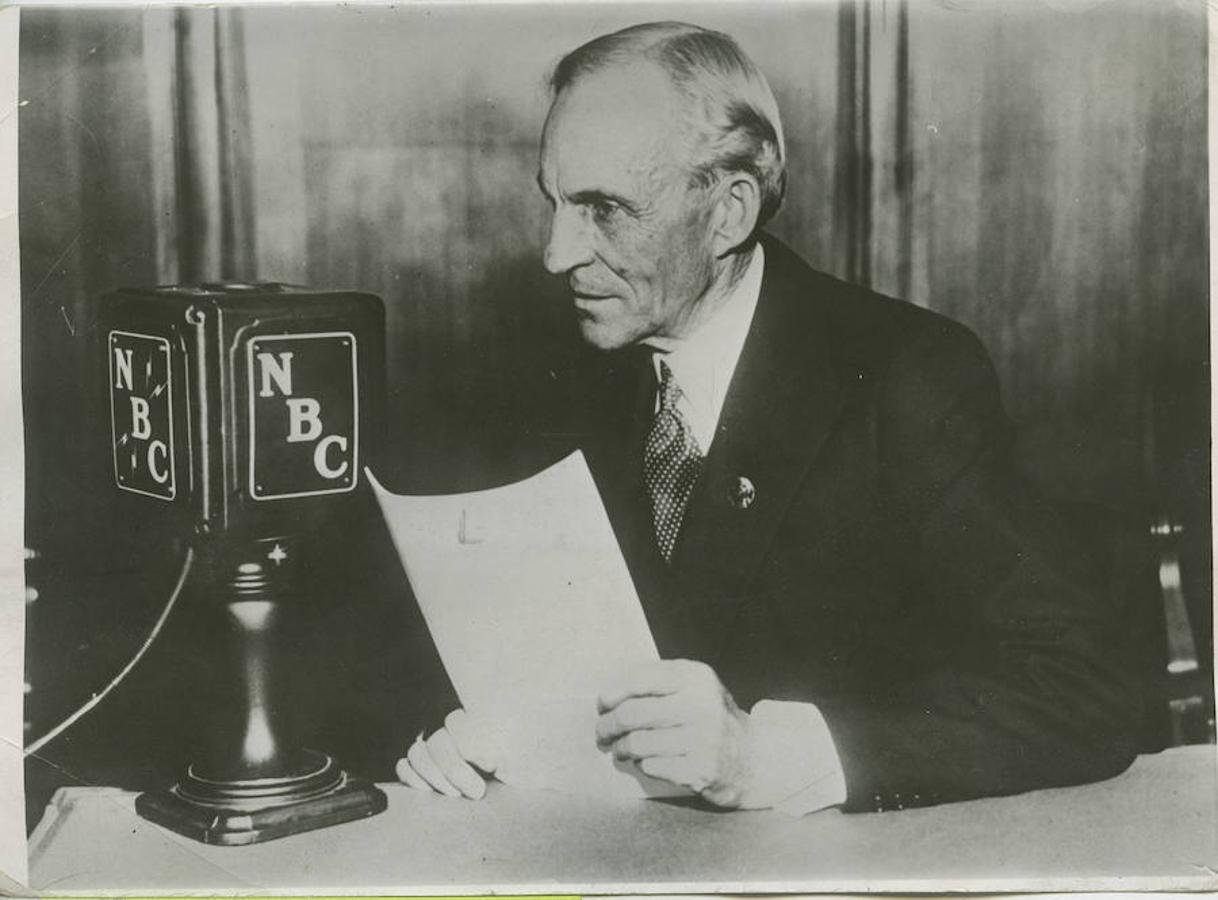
532	609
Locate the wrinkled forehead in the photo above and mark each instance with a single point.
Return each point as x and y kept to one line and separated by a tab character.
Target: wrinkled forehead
613	124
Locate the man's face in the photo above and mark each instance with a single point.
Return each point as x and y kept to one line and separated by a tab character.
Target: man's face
631	235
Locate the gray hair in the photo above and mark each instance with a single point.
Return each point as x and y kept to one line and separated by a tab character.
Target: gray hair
733	117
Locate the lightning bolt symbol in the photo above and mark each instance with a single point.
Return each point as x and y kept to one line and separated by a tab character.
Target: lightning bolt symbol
156	391
123	440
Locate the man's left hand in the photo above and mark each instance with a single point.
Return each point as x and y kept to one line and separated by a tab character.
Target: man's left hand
677	721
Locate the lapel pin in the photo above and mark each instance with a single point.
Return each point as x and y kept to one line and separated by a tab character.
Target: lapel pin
743	493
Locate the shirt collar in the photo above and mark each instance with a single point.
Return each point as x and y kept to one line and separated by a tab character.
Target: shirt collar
704	361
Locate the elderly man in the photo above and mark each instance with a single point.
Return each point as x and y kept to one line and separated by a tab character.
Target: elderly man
810	482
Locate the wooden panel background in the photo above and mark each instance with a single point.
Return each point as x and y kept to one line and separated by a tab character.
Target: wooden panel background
1059	195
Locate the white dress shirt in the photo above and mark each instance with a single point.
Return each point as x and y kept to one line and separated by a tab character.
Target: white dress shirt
702	363
798	769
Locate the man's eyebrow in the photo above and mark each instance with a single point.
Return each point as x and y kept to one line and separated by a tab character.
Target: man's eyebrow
597	195
592	195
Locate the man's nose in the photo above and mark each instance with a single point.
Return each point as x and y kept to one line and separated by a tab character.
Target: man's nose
569	246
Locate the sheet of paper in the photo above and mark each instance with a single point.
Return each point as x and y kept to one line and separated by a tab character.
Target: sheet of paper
532	609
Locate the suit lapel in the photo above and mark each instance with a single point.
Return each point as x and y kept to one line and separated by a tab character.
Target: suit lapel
781	405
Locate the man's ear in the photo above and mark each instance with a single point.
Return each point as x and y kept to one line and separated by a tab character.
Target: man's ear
737	205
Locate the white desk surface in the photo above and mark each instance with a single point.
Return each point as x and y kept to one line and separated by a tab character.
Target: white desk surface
1155	825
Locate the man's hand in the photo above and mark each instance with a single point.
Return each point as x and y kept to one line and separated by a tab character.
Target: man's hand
678	722
445	761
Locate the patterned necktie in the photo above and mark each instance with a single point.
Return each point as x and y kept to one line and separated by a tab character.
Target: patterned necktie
672	462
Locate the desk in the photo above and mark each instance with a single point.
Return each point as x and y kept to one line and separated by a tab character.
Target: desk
1154	824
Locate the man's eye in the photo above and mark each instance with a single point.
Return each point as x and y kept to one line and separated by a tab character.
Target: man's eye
603	210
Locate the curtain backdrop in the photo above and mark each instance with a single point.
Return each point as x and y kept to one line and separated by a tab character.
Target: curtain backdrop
198	102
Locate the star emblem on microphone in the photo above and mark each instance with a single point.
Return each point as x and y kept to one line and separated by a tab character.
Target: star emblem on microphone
277	554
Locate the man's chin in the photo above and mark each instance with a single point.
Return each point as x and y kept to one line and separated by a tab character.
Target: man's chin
597	334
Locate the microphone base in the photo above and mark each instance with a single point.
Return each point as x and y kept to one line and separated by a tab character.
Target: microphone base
251	811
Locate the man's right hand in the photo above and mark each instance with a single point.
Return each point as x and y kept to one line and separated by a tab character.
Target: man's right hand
446	761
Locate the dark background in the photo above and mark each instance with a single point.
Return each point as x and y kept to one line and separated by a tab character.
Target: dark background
1035	170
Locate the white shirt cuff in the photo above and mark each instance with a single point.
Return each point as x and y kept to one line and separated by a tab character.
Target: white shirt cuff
797	770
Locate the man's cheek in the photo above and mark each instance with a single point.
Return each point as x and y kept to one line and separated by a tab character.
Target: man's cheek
635	240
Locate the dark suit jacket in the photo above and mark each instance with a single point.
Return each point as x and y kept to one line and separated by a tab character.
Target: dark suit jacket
892	570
